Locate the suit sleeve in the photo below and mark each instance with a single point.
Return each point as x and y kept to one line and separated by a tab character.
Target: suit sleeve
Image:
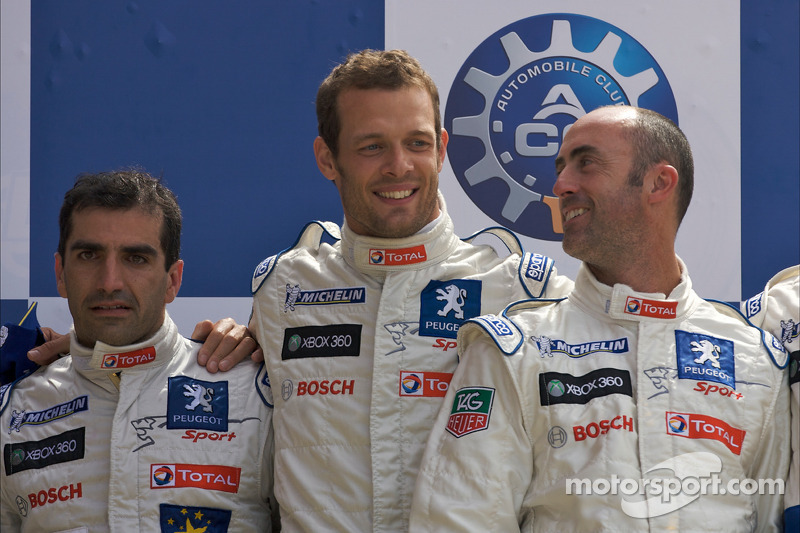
478	461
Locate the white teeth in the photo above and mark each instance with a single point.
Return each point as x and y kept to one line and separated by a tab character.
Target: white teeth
574	213
397	195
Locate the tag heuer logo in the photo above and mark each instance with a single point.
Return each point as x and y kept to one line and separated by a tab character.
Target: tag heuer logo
471	409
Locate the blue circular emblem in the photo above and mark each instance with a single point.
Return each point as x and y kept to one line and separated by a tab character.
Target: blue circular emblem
518	93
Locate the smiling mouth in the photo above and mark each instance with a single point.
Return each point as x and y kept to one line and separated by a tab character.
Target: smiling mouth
574	213
396	195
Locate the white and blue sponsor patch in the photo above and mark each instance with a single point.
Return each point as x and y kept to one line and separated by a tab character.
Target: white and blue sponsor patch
197	404
495	324
538	267
752	306
705	358
56	412
445	305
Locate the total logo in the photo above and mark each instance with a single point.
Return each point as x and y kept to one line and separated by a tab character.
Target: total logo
519	92
695	426
210	477
427	384
129	359
596	429
399	256
650	308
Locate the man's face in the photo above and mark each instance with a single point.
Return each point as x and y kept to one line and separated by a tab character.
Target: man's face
602	214
387	169
113	276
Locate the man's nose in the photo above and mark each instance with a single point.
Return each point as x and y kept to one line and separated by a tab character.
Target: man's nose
398	162
111	275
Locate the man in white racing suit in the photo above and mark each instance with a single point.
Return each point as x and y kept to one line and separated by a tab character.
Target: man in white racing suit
777	310
358	325
561	412
129	433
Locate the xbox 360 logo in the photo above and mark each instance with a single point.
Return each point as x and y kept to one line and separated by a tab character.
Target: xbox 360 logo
519	92
294	342
555	388
17	456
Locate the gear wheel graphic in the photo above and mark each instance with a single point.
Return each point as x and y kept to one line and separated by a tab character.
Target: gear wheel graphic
478	126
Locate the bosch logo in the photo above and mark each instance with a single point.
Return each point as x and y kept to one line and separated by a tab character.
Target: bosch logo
52	495
518	93
557	437
287	387
324	387
596	429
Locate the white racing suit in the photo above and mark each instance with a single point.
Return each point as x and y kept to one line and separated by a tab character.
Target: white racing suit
162	446
777	310
359	339
560	411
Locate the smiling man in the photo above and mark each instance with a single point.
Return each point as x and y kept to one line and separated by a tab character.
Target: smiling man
358	329
130	434
551	422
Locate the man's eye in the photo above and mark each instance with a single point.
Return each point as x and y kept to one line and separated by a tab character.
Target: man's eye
86	255
138	259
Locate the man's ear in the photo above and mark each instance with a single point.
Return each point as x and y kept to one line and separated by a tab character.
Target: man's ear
59	268
663	183
443	148
325	159
174	279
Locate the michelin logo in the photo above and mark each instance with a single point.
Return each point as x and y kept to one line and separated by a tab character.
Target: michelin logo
346	295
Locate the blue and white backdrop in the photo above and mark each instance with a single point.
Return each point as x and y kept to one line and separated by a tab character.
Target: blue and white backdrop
218	98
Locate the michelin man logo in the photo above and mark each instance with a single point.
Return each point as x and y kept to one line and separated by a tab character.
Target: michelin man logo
200	396
544	343
517	95
291	297
708	352
455	298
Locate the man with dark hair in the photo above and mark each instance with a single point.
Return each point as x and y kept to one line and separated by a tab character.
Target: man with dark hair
588	413
129	433
358	333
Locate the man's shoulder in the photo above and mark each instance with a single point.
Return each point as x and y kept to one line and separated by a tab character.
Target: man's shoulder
45	383
508	329
310	239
